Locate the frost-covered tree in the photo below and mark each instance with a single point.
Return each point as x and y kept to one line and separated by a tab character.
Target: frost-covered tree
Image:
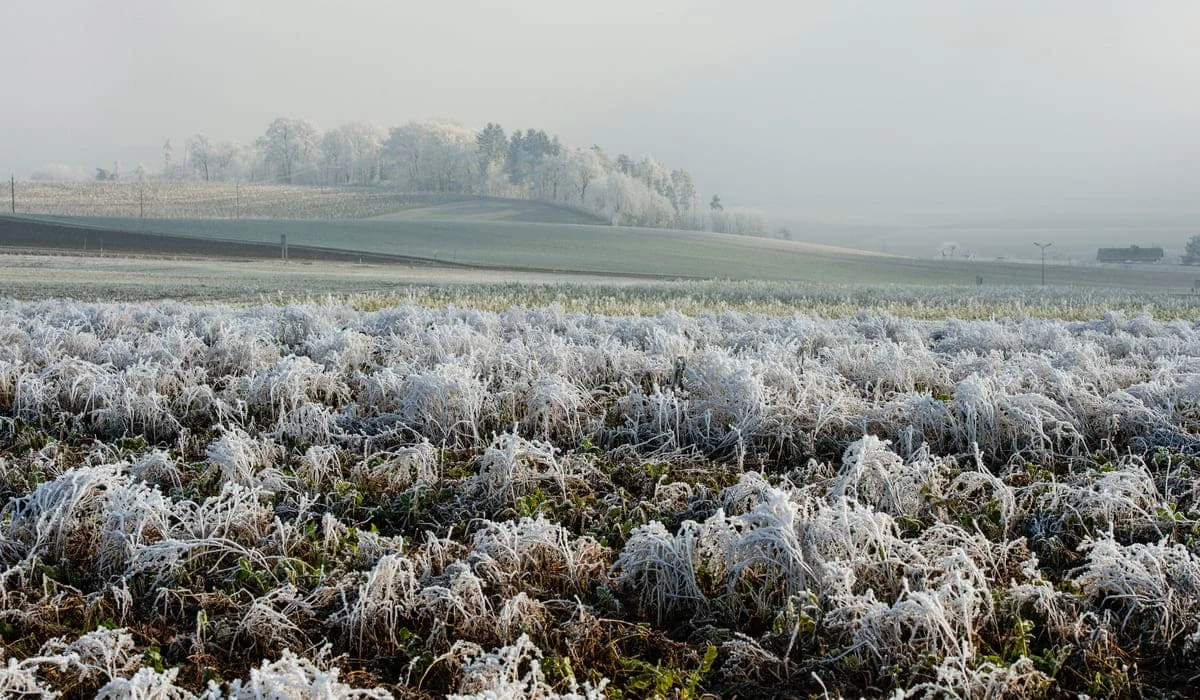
654	174
585	166
201	153
361	145
350	154
212	160
492	145
739	220
335	158
683	192
629	202
550	177
1191	253
290	149
446	157
526	152
432	156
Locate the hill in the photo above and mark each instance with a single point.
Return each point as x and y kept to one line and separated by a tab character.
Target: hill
556	248
228	200
505	245
494	209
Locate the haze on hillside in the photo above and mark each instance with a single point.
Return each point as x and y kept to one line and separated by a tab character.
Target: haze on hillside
853	113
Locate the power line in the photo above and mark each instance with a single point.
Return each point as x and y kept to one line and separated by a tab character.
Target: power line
1043	246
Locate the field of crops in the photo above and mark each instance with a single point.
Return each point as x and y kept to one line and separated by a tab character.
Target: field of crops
505	234
213	200
374	286
228	200
570	249
409	502
547	247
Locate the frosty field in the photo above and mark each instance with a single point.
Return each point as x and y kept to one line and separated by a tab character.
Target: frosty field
228	200
372	286
539	247
390	498
215	200
533	248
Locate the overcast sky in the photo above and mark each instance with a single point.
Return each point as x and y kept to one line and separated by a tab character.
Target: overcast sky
840	108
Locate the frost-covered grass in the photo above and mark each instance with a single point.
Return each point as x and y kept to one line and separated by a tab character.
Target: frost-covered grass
374	287
918	302
319	500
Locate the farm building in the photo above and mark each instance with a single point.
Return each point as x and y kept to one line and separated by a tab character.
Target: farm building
1131	254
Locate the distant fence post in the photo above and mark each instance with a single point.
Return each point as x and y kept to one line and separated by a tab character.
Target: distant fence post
283	245
12	188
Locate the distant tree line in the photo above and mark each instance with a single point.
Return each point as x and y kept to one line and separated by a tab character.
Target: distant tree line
441	156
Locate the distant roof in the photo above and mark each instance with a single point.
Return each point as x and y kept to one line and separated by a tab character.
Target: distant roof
1131	254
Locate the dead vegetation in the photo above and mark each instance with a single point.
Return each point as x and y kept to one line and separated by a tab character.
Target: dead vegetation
316	501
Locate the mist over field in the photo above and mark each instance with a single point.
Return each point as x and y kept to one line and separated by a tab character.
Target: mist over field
598	351
894	117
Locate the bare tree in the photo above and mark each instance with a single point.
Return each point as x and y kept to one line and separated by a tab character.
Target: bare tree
290	147
200	153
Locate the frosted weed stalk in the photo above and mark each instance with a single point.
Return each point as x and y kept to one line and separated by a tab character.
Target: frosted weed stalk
885	505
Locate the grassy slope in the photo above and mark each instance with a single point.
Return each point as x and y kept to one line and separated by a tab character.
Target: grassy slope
645	252
221	200
495	209
556	247
1075	237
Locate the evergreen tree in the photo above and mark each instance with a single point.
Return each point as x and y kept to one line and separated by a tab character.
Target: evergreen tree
493	146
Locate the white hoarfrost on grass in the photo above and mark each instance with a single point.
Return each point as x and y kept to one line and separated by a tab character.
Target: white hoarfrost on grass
318	502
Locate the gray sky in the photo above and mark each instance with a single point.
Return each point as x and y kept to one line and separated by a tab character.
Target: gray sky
839	109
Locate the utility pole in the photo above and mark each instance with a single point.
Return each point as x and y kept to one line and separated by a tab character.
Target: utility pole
12	184
283	245
141	174
1043	246
237	199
